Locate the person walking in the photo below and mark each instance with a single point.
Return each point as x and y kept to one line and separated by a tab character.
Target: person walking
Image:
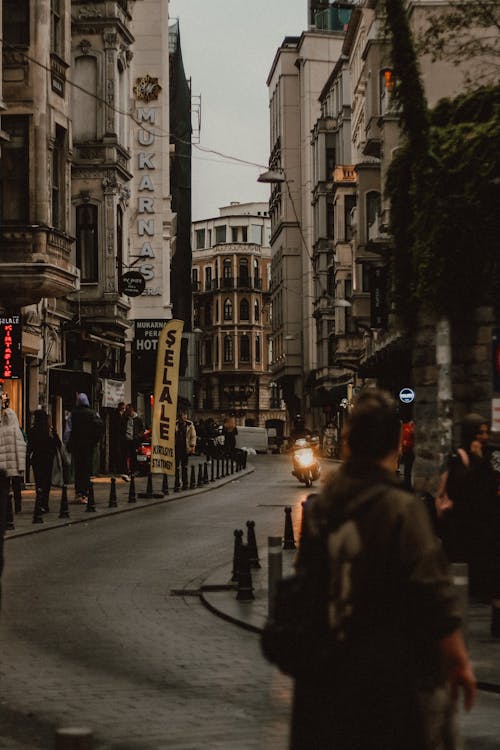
85	430
229	431
133	430
12	449
397	654
43	444
185	445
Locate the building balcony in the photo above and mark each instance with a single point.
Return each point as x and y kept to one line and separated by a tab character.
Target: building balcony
344	174
35	262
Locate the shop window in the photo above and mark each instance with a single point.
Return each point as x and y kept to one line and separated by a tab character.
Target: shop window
87	237
14	171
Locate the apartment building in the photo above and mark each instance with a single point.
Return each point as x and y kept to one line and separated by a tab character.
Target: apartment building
232	316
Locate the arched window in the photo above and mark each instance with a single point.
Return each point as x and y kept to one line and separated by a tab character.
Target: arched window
243	272
257	349
244	310
244	348
226	269
87	242
228	349
228	309
256	312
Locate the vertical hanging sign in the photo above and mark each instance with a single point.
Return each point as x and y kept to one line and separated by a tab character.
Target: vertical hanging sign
165	403
10	347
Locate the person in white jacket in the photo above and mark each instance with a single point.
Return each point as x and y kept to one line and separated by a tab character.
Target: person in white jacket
12	444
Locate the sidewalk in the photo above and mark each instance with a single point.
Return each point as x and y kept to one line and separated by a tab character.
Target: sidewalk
219	595
23	521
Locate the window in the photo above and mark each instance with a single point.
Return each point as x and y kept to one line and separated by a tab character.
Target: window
14	171
234	234
387	83
208	314
58	179
84	99
349	204
244	348
228	349
244	234
208	352
330	282
244	310
56	27
372	213
257	348
208	278
330	226
200	239
194	279
243	272
220	234
256	234
256	312
16	22
226	273
87	242
330	162
228	309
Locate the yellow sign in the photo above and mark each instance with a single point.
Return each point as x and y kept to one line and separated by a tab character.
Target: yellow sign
165	405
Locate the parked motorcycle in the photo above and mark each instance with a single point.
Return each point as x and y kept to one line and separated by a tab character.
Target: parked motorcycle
305	463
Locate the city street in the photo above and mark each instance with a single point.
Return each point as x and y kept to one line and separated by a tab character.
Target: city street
101	626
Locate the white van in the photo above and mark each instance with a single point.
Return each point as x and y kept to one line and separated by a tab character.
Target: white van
252	437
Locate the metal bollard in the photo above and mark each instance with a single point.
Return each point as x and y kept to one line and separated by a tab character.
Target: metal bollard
74	738
274	568
460	580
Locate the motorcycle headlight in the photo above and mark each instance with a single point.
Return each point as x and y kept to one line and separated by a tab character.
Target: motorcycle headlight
305	457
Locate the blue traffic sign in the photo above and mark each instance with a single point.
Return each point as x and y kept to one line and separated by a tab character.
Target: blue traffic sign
406	395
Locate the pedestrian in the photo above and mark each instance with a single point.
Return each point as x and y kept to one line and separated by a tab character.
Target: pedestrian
4	494
407	457
43	445
84	430
229	431
397	654
185	445
117	455
12	449
133	431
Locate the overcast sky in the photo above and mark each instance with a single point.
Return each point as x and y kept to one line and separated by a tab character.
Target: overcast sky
228	47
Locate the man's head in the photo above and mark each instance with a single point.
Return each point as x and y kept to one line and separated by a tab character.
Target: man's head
121	406
183	415
82	399
374	428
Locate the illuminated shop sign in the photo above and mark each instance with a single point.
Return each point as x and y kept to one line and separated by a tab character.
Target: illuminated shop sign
10	347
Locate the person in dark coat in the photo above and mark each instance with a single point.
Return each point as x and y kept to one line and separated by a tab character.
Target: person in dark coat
398	656
229	432
85	432
4	494
43	444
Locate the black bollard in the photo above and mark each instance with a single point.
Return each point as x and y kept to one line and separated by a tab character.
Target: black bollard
212	469
90	500
64	508
37	510
164	485
238	541
288	539
218	469
232	465
9	525
252	545
113	500
200	476
223	467
205	473
132	498
149	489
192	483
245	587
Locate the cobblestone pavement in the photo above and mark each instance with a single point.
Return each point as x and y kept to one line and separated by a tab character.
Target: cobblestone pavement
101	626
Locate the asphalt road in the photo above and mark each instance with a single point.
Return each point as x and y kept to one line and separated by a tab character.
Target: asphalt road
91	633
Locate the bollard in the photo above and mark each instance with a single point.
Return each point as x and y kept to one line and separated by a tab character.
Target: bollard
200	476
274	569
238	541
74	738
18	503
460	580
223	467
64	508
9	525
131	490
113	501
90	500
288	538
149	488
232	465
253	552
205	473
37	510
164	486
218	470
192	483
212	477
245	587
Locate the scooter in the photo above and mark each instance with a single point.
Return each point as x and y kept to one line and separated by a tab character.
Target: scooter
305	464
